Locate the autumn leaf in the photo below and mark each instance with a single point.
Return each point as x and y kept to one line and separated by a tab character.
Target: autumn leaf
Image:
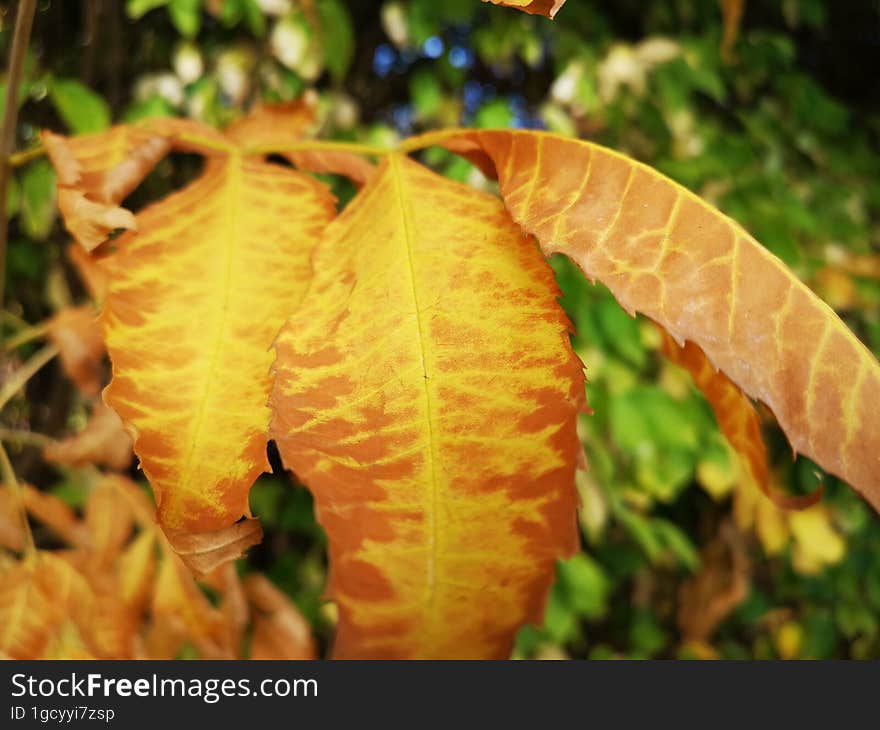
722	583
664	252
534	7
737	418
427	394
279	630
202	552
103	441
75	332
195	298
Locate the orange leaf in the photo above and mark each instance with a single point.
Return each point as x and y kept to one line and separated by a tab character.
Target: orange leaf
737	419
75	332
534	7
664	252
427	393
279	630
102	441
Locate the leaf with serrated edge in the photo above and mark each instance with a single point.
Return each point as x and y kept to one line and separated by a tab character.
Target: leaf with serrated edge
427	393
666	253
195	300
737	417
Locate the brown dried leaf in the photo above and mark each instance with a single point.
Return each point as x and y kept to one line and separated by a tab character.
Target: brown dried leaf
707	598
202	552
75	332
279	629
103	441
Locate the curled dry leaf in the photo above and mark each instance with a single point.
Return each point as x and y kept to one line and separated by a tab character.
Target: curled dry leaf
664	252
103	441
441	455
75	331
534	7
737	418
202	552
279	630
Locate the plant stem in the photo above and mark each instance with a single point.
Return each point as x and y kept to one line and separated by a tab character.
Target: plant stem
26	335
319	146
16	159
24	21
25	373
8	477
28	438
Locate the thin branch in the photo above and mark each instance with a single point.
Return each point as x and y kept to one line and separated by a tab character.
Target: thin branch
26	335
25	438
8	476
25	372
24	21
17	159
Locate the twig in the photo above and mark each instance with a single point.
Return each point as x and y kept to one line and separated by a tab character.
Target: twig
26	335
8	476
26	438
25	372
24	21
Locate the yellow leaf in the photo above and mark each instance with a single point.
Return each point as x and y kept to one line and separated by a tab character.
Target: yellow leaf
427	393
195	298
664	252
816	544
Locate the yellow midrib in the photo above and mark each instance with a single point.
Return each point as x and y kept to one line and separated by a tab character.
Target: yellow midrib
433	487
232	190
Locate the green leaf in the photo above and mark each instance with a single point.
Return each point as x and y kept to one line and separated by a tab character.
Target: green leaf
138	8
80	108
186	15
585	585
337	37
38	200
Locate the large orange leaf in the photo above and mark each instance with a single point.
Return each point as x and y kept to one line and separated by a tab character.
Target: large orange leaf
427	393
664	252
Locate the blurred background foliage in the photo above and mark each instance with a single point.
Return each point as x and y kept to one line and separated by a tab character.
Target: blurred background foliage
778	126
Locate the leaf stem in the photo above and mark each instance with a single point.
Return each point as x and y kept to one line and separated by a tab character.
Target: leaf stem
8	476
320	146
25	372
24	21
